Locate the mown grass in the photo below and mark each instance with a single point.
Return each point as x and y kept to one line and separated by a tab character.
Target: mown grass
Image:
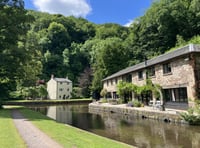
69	100
9	137
69	136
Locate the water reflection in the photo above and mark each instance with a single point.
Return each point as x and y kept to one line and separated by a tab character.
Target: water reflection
143	133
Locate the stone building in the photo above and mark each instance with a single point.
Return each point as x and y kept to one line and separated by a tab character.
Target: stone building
59	88
177	72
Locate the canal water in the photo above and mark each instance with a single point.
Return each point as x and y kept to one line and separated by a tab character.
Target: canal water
143	133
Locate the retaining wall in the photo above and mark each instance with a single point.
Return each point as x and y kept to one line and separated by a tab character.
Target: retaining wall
142	112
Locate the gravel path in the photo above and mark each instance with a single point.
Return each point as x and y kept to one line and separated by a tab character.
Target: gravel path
32	136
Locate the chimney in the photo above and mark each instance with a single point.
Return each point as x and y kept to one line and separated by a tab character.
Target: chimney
52	76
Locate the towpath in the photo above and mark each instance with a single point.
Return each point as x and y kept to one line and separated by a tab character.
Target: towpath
32	136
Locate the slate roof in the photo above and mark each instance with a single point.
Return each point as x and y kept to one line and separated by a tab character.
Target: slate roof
159	59
62	80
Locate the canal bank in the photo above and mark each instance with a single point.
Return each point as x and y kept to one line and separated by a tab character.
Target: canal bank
47	102
169	115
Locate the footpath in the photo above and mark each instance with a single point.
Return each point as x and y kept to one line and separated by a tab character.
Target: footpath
32	136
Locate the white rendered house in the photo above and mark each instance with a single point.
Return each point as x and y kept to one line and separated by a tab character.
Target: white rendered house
59	88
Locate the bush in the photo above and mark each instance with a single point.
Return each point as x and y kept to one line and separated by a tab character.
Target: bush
76	93
120	101
193	115
136	103
191	118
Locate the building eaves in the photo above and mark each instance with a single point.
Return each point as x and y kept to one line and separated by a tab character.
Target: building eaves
159	59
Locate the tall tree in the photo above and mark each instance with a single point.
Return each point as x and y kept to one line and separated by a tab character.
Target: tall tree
13	28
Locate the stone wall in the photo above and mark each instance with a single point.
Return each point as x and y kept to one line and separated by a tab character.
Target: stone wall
182	75
166	116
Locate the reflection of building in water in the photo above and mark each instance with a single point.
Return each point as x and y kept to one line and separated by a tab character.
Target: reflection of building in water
61	114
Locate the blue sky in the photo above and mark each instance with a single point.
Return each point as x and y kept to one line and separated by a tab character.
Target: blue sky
96	11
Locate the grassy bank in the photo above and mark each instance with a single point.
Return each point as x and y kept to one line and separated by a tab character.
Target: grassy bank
45	102
9	136
69	136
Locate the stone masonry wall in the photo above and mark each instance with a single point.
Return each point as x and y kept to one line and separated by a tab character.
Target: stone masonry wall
182	75
167	116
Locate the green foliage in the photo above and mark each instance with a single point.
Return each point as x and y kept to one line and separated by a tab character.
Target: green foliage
14	26
193	115
76	93
137	103
125	88
103	93
120	101
31	92
34	45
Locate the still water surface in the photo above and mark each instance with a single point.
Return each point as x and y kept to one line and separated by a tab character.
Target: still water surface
143	133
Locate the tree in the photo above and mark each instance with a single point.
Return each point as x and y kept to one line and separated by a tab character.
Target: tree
42	91
103	93
13	28
107	60
84	82
59	38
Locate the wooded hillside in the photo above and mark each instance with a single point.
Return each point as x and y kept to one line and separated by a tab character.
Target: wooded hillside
34	45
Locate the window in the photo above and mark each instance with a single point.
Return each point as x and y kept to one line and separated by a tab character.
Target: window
107	82
127	78
151	71
140	75
176	94
111	82
60	83
60	89
167	68
115	80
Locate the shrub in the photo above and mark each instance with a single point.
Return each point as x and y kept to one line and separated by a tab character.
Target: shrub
193	115
120	101
191	118
136	103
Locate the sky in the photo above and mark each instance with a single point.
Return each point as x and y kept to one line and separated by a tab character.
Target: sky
97	11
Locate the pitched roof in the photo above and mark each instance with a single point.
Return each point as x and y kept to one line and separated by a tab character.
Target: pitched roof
62	80
159	59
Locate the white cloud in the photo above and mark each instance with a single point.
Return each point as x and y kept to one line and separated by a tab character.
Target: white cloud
77	8
128	24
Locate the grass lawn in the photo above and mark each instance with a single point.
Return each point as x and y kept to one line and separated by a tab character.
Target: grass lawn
69	136
69	100
9	137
